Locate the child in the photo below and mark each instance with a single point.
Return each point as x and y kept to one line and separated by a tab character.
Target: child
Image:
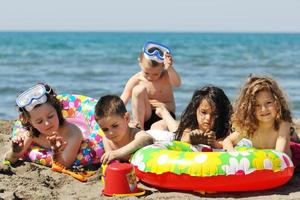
119	139
40	114
262	116
152	86
206	119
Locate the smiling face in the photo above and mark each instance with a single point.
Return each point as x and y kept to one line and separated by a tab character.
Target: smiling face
265	107
151	73
115	127
44	118
205	116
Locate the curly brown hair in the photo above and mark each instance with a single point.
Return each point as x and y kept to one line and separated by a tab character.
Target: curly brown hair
243	118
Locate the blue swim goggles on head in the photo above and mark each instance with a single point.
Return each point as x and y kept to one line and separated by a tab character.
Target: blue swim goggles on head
155	51
33	96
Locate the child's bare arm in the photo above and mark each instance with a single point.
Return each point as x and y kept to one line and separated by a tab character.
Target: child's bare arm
19	145
231	140
127	92
282	142
65	151
141	139
106	145
107	156
173	75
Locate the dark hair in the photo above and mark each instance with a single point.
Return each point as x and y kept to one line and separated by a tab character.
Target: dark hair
109	105
51	100
220	104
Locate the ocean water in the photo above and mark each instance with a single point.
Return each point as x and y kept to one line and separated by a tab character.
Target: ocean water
94	64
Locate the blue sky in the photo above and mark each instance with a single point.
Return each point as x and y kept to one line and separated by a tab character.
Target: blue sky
154	15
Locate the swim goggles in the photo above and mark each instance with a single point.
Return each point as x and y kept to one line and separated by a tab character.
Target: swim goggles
33	96
155	51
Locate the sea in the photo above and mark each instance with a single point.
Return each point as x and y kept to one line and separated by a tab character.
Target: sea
99	63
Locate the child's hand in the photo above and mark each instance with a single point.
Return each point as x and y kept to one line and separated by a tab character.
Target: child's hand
107	157
199	137
57	143
168	61
18	144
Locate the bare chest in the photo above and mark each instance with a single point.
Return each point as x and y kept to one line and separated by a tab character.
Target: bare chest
161	90
265	140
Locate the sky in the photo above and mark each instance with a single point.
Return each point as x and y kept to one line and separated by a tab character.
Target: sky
154	15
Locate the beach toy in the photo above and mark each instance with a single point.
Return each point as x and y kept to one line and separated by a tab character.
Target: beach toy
81	176
174	165
155	51
78	110
120	180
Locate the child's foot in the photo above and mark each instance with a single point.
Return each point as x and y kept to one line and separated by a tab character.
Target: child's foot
160	111
135	124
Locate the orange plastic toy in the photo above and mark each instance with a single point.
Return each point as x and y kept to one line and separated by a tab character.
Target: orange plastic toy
81	176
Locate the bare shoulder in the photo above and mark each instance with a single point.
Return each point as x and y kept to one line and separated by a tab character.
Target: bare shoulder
141	133
284	127
133	80
72	131
136	131
285	124
136	76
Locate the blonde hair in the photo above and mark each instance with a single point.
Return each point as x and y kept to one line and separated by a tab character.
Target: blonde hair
243	118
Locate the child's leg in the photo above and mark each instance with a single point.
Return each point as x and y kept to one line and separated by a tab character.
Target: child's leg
168	121
141	108
160	125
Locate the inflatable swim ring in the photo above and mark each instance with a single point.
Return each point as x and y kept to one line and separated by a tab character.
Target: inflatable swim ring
79	110
174	165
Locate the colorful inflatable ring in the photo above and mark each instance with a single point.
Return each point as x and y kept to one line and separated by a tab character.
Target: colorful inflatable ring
79	110
173	165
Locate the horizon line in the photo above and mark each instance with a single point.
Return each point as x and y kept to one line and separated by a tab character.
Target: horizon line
146	31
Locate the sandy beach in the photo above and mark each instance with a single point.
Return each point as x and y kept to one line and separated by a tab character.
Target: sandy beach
31	181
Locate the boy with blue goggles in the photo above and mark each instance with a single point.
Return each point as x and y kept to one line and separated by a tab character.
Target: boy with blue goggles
32	97
152	86
155	51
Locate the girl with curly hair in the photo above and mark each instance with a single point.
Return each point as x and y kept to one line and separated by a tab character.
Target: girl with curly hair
261	115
